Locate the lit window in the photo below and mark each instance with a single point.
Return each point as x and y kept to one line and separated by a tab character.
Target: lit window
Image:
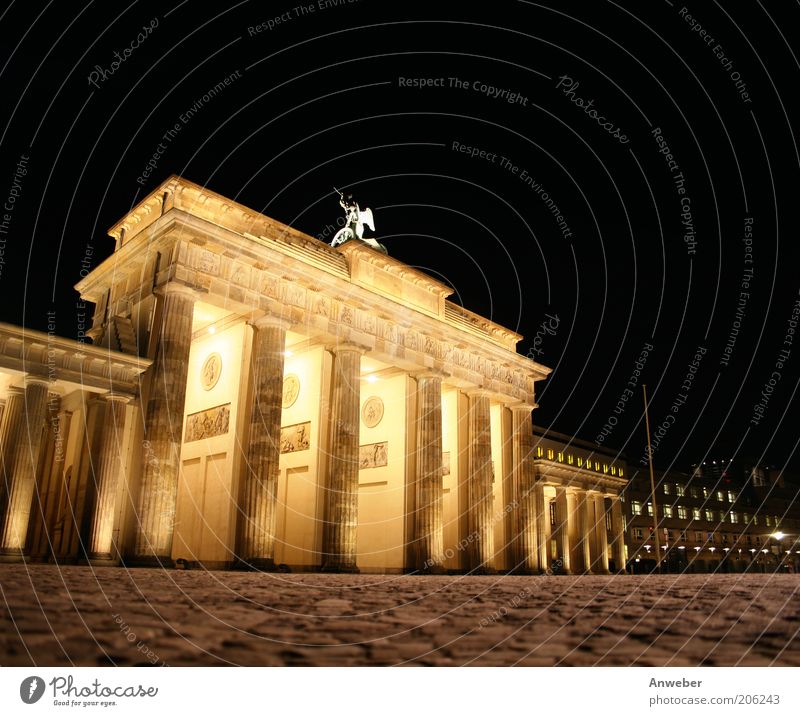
596	465
734	518
570	459
755	519
620	472
667	510
683	513
731	496
709	515
637	534
549	454
553	520
636	508
679	489
666	488
580	462
724	538
613	470
705	492
720	496
777	521
650	509
561	457
539	451
722	516
695	492
605	468
696	515
767	521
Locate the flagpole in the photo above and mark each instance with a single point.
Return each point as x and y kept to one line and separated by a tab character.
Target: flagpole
652	483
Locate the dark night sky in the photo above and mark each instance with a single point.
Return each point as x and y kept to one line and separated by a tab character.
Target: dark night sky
317	101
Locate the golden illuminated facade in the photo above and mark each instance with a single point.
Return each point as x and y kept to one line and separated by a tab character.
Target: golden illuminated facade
257	398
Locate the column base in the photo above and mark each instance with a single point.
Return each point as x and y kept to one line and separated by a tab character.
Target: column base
148	561
13	556
100	560
482	570
257	564
340	569
436	569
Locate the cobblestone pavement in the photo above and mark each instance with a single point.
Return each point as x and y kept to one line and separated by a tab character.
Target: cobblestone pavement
83	617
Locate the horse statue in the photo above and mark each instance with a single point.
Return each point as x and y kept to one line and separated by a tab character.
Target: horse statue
355	220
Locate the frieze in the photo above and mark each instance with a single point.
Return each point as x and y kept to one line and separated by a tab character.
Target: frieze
206	261
295	438
374	455
372	323
208	423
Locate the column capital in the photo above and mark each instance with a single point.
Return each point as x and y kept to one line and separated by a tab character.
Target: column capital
522	408
347	347
36	380
478	393
269	319
123	398
178	288
430	373
13	390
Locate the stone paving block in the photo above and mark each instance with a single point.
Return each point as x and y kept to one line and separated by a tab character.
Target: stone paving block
73	615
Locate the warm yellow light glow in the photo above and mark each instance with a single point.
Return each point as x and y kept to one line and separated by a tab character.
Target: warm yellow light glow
212	330
372	378
288	354
779	536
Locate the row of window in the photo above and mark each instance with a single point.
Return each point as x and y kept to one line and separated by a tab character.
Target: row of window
682	513
639	535
697	492
570	459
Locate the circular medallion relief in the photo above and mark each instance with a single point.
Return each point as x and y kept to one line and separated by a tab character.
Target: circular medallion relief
291	389
372	412
211	371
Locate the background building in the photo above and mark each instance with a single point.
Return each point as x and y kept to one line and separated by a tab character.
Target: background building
727	517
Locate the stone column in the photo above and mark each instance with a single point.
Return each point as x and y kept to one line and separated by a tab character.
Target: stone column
585	532
339	549
526	552
110	469
618	529
164	430
562	531
481	528
542	526
258	516
9	430
22	481
601	539
429	519
59	514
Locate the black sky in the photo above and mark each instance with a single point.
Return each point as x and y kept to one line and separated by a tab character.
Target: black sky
317	101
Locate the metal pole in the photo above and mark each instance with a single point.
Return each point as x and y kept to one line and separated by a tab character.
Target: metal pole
652	483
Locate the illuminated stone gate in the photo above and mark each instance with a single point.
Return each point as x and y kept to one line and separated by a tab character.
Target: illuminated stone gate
312	407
